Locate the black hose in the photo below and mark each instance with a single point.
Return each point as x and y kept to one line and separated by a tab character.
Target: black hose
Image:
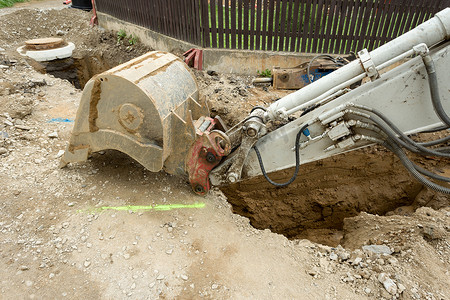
411	167
405	141
440	128
436	142
431	174
297	162
434	89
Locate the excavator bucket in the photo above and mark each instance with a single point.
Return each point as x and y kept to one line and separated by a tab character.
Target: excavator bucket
145	108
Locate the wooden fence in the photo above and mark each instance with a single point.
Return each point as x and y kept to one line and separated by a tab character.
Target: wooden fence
314	26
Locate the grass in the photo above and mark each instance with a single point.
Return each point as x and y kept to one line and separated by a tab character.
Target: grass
9	3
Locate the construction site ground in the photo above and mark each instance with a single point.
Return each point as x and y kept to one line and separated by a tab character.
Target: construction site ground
356	226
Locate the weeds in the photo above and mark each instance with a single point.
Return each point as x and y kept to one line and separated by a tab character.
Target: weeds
123	37
265	73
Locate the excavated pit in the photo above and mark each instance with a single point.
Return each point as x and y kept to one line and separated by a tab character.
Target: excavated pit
326	192
76	70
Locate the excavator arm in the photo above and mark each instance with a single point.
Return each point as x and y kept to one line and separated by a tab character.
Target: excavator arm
150	109
410	98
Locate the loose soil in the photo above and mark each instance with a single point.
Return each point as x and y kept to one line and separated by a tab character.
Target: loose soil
54	244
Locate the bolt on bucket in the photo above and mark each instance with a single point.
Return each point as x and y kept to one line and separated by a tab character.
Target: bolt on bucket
145	108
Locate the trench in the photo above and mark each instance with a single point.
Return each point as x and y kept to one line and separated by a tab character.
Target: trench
326	192
77	70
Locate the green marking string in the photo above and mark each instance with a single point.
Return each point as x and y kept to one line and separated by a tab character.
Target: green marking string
134	208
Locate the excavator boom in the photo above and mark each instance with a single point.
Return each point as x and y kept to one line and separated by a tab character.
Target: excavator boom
150	109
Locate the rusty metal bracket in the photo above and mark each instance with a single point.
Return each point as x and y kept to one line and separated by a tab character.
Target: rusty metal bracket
194	58
206	153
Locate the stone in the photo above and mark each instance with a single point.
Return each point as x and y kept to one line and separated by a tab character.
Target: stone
356	261
314	271
388	283
3	150
160	277
53	135
378	249
184	277
29	283
170	251
214	286
23	268
126	256
87	263
333	256
59	154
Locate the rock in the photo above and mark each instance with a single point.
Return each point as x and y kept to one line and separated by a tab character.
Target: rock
333	256
314	271
401	288
87	263
60	32
170	251
59	154
367	290
388	283
29	283
23	127
3	150
433	232
53	135
214	286
184	277
70	204
152	284
126	256
378	249
160	277
23	268
356	261
51	275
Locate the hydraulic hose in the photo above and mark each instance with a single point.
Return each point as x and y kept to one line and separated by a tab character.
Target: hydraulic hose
412	168
431	174
436	142
297	161
440	128
434	89
393	131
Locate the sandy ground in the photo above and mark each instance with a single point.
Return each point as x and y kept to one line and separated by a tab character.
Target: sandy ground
57	243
